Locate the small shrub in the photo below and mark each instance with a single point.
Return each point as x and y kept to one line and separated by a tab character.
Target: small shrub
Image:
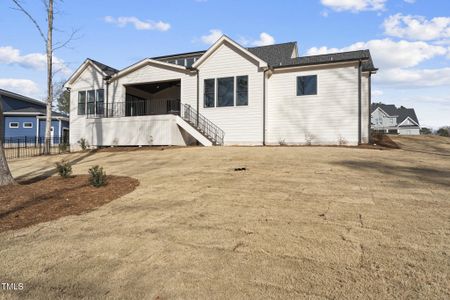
282	142
308	139
63	147
83	144
98	176
64	169
342	141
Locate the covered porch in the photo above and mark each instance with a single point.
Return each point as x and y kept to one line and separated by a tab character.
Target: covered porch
146	99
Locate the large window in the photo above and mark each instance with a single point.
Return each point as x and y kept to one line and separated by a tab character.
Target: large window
82	103
242	90
225	91
307	85
209	95
91	102
99	103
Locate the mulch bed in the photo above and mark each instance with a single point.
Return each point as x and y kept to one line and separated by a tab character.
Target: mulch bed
43	200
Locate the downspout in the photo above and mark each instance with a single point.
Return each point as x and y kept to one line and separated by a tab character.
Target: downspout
107	93
370	108
359	101
198	94
264	107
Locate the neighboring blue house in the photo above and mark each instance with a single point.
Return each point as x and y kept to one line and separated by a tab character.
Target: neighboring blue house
24	117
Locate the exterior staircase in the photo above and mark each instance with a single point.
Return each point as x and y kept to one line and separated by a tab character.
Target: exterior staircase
202	129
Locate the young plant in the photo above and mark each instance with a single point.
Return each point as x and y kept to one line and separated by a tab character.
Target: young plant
64	169
83	144
98	176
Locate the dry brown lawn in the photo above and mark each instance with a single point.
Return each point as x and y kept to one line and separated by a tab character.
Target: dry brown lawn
300	222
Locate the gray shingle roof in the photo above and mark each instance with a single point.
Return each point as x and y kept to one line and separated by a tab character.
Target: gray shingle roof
275	55
401	112
38	111
404	113
278	55
334	57
106	69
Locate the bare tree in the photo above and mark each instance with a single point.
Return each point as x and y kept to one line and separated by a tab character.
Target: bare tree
5	174
48	40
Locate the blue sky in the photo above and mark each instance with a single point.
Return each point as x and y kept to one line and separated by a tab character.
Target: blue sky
409	39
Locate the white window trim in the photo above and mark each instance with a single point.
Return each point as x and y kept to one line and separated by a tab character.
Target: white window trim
14	127
27	127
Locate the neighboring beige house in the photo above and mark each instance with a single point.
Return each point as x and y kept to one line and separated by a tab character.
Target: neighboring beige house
394	120
227	95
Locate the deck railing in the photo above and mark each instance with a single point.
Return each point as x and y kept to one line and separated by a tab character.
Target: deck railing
135	108
202	124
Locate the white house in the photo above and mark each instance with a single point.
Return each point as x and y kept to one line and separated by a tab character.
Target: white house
226	95
388	118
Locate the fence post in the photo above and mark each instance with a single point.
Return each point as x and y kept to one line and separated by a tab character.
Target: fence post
18	147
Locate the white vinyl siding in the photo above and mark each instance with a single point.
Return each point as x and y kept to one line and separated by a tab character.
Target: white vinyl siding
242	124
330	117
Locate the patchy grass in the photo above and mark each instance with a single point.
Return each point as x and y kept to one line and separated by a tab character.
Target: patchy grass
300	222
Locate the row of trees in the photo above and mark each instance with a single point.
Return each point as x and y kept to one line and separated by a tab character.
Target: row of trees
443	131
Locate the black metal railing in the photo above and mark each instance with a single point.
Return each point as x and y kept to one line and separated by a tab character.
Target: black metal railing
135	108
23	147
202	124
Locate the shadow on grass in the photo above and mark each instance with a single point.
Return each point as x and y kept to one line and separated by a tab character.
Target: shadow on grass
429	175
44	173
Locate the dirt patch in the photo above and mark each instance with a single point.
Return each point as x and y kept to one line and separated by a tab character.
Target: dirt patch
384	141
37	201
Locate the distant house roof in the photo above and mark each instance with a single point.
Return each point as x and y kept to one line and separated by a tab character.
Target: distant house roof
37	111
402	113
41	110
21	97
277	55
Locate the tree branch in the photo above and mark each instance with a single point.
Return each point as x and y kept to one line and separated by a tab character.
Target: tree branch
22	9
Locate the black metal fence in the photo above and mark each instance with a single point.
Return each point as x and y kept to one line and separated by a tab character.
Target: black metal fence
22	147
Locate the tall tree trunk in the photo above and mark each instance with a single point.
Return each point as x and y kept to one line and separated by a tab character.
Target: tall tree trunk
48	122
5	174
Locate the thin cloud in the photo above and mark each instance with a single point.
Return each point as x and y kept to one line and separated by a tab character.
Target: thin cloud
265	39
137	23
354	5
212	37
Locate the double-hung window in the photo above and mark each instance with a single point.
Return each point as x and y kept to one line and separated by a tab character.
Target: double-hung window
307	85
241	90
99	102
82	103
209	93
225	91
91	102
